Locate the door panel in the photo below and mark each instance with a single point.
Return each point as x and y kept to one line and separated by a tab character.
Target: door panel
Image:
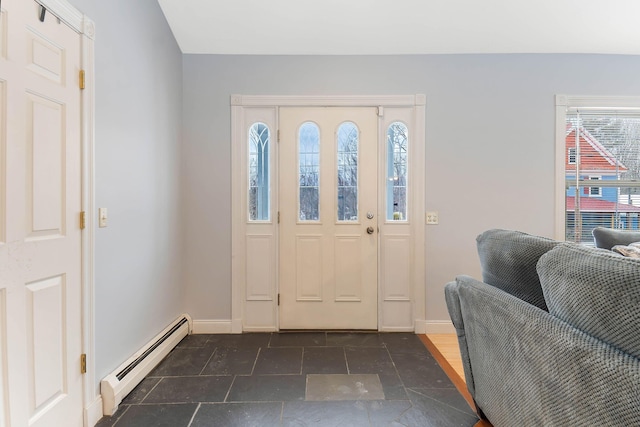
328	261
40	258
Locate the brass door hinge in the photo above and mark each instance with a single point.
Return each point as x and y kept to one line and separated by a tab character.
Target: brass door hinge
81	79
278	217
278	299
83	220
278	135
83	363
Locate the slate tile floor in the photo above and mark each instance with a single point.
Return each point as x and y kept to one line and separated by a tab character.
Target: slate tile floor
264	380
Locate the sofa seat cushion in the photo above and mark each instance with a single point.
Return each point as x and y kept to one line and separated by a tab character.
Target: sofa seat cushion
596	291
508	259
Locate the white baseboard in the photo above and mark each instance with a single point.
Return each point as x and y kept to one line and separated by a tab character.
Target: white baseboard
439	327
93	412
212	327
260	329
115	386
236	326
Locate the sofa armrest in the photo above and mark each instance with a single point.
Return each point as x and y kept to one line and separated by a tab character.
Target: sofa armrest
453	306
531	368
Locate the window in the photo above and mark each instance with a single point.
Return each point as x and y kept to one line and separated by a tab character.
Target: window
259	178
593	191
347	146
602	144
397	163
309	172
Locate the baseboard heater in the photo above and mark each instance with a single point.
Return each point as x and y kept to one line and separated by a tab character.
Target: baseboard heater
115	386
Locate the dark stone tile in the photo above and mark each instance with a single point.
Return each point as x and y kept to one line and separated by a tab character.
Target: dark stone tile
109	421
251	340
429	412
195	340
182	362
178	415
261	414
447	396
421	371
141	391
231	361
387	412
349	339
401	342
267	388
283	360
190	389
393	387
324	360
349	413
369	360
298	339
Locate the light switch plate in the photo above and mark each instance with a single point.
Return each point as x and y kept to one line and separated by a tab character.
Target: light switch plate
102	217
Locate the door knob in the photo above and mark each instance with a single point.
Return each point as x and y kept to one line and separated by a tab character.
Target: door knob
370	230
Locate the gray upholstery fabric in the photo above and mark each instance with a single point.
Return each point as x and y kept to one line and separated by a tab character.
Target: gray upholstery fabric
453	305
607	238
508	259
530	368
596	291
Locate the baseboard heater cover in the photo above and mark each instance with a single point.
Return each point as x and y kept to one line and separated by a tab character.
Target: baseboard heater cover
115	386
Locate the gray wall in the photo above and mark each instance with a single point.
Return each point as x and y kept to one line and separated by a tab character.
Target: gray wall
138	91
489	145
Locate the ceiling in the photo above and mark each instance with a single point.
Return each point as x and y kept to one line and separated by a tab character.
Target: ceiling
373	27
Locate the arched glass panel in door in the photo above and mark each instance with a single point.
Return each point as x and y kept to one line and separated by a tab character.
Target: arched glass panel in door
309	172
397	176
259	174
347	168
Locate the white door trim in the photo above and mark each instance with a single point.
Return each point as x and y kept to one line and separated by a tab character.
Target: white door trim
84	26
240	105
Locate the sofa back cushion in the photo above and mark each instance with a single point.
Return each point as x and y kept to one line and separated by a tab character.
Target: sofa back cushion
508	259
607	238
596	291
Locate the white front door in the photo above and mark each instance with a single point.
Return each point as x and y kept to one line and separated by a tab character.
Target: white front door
328	218
40	237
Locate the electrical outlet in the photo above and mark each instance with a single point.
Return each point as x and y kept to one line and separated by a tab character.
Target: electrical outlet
432	218
102	217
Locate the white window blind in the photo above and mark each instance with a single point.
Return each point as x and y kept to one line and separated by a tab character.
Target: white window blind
602	171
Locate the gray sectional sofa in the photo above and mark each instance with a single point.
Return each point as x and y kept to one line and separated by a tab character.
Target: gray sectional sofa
551	335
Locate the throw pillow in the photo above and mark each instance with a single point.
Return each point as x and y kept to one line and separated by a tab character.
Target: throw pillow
607	238
508	260
595	290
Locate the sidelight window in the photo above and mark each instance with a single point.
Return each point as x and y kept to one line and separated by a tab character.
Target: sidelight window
259	173
397	164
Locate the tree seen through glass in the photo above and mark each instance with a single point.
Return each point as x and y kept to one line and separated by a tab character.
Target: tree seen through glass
259	204
347	172
309	171
397	163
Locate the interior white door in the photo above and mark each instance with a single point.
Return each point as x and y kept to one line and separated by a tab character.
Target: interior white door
328	218
40	236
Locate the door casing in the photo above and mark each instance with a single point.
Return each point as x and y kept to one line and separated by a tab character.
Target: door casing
255	243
